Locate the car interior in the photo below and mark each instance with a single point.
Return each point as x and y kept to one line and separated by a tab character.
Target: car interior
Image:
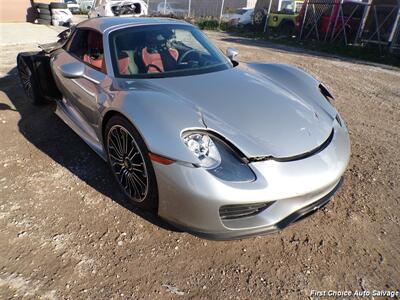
87	45
159	51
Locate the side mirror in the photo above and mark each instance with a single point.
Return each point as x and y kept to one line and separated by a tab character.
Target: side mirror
75	70
72	70
231	53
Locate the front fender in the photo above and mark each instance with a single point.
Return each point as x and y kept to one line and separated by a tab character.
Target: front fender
297	81
160	119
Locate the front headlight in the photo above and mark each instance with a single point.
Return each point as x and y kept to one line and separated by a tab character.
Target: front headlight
202	146
217	157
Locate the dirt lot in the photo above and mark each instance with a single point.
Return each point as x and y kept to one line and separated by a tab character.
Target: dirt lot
66	232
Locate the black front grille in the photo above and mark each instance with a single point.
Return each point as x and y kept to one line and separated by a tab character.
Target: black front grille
229	212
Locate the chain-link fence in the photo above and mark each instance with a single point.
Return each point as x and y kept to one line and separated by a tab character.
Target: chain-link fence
350	21
395	46
197	8
327	20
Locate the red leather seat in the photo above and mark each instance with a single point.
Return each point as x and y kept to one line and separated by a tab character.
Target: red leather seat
95	41
123	63
156	59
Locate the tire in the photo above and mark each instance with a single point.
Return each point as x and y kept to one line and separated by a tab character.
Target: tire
42	6
44	21
28	82
132	164
57	5
44	11
44	17
259	19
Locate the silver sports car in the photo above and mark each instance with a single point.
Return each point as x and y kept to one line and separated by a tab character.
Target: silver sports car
218	148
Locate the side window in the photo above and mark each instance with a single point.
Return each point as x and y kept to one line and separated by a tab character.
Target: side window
78	45
87	45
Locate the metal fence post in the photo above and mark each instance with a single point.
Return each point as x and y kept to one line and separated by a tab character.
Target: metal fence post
304	19
377	30
330	23
222	10
394	29
267	16
165	7
336	20
190	5
363	22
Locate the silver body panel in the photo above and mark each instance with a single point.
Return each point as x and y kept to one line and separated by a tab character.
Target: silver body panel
267	111
293	185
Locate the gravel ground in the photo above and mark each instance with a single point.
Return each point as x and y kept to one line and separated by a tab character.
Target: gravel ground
66	232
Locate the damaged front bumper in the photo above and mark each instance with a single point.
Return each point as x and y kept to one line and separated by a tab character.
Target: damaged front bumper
191	198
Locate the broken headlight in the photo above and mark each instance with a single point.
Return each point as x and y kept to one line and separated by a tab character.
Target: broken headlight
217	157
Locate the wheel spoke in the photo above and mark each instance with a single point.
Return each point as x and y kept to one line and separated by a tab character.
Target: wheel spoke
116	148
118	144
138	180
133	156
137	193
118	159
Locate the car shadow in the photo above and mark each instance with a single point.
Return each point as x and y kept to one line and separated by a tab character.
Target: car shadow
48	133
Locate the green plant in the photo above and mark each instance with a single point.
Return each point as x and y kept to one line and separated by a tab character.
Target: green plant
208	24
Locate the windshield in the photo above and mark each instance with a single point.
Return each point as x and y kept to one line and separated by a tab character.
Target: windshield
288	5
164	51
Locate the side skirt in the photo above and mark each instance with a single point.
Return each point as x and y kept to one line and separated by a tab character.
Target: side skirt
62	113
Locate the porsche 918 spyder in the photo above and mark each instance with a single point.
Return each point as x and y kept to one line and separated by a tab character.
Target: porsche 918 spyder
220	148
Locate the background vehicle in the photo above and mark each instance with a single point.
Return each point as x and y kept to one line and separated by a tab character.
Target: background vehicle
111	8
172	8
241	17
281	20
73	6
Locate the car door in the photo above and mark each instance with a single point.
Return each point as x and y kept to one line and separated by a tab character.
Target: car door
84	96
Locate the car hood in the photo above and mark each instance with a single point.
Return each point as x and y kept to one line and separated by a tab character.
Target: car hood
257	114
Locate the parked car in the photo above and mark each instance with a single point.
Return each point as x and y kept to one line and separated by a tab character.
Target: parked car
85	5
111	8
172	8
73	6
241	17
218	147
331	17
282	20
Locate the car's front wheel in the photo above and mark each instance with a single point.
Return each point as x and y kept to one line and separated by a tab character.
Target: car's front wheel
130	163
